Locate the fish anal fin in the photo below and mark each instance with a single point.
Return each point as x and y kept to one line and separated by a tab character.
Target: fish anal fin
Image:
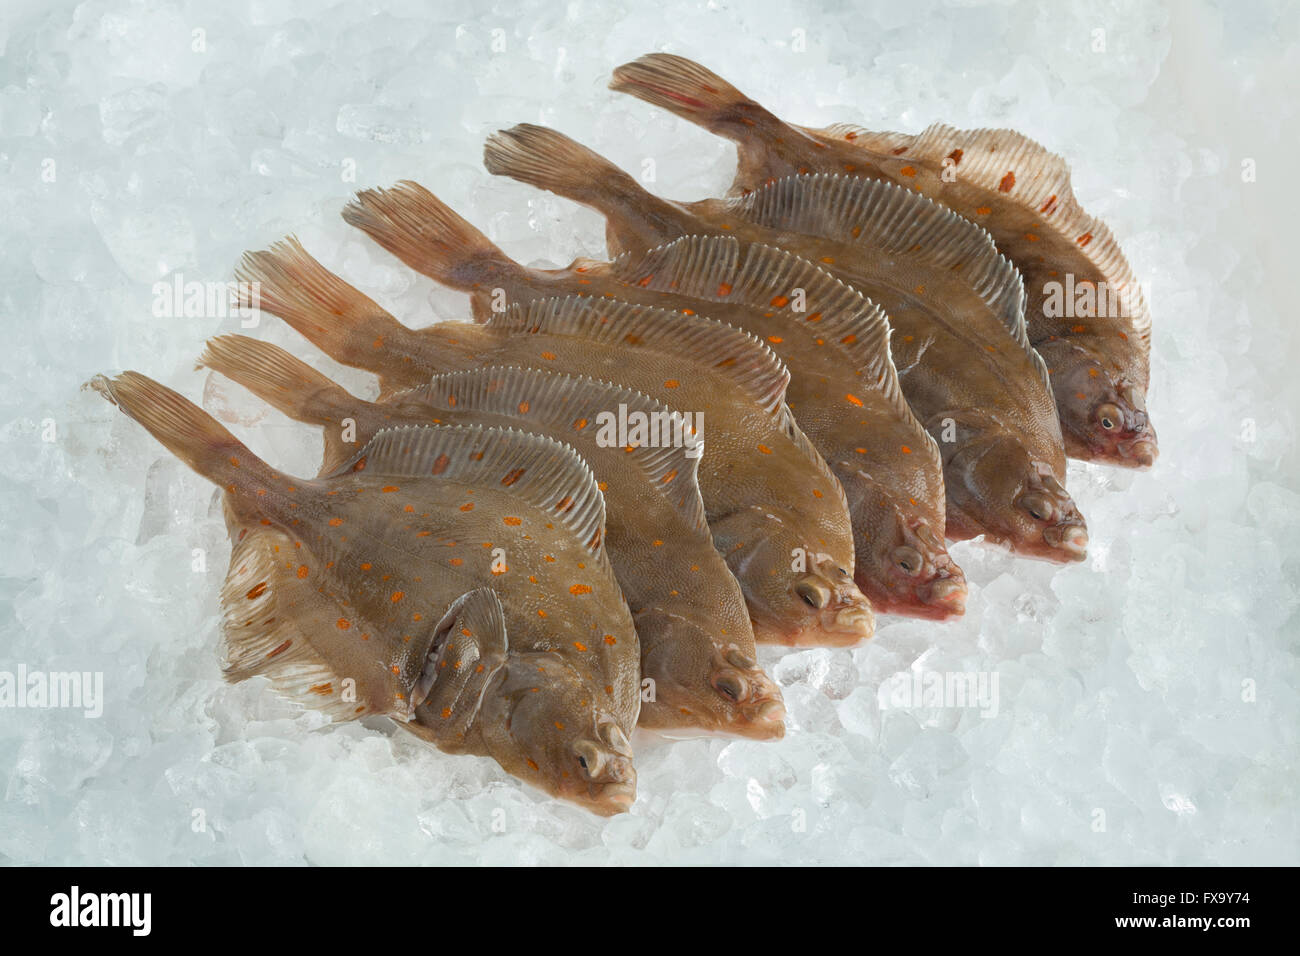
273	615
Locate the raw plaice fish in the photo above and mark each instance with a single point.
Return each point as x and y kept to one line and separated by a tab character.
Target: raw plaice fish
371	591
697	646
843	388
768	495
956	307
1086	312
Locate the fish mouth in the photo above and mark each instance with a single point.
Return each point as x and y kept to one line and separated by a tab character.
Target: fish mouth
1066	542
849	624
1141	452
612	798
945	597
763	720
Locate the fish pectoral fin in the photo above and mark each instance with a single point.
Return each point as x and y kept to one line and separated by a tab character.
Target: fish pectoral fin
467	649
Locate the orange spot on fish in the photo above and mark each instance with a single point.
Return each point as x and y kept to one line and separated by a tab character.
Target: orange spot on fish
388	488
335	522
724	289
440	465
1008	182
579	645
523	408
780	302
343	624
775	339
455	562
256	591
906	450
672	383
609	639
908	171
512	476
853	400
397	596
580	589
764	449
1084	239
467	506
303	571
512	521
280	650
1031	237
1078	328
982	210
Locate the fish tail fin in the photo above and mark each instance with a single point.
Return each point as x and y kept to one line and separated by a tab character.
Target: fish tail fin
549	160
278	378
187	431
695	93
429	236
342	321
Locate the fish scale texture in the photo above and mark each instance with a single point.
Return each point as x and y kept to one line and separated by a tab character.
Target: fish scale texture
1148	701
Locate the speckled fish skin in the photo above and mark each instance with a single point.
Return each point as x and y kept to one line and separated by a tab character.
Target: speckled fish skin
1008	184
375	573
956	307
843	386
767	493
697	646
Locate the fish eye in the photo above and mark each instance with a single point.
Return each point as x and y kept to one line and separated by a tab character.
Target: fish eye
909	560
730	686
1109	417
736	659
1038	506
812	595
589	757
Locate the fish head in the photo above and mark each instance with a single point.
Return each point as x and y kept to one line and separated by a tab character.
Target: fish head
700	683
1103	411
546	726
902	561
996	488
797	594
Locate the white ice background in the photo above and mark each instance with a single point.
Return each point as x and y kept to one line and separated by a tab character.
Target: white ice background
1148	699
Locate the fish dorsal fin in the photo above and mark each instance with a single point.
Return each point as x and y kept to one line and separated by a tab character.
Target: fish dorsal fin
700	266
538	470
742	357
895	219
561	402
1039	181
269	616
